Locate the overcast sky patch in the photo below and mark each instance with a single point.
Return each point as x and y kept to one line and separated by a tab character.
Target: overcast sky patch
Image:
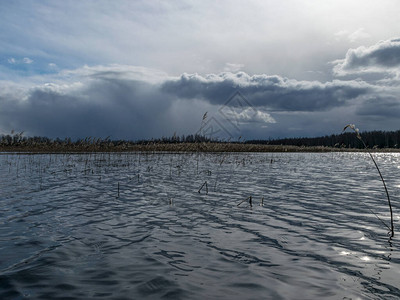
146	69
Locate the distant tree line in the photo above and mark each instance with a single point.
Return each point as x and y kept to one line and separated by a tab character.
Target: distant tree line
18	140
373	139
191	138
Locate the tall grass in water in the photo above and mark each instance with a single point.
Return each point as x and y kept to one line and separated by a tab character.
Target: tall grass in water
356	130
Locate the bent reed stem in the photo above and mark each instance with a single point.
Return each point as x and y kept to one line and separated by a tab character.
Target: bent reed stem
352	126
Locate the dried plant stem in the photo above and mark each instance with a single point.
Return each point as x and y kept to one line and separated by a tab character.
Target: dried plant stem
245	200
204	184
380	219
352	126
387	194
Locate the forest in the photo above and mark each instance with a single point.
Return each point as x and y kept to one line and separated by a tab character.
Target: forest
373	139
347	140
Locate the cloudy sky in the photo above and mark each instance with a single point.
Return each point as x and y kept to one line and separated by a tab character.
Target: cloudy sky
147	69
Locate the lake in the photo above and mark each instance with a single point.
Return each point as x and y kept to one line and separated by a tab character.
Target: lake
146	226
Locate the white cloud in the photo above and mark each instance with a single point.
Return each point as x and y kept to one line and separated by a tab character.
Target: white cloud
249	115
354	36
341	34
359	34
384	56
233	67
27	60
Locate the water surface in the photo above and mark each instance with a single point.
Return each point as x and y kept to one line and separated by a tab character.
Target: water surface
67	231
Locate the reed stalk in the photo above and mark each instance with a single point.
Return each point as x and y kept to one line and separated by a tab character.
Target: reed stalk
245	200
356	130
206	185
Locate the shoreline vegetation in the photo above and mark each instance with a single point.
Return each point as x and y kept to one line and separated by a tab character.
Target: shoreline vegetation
178	147
375	141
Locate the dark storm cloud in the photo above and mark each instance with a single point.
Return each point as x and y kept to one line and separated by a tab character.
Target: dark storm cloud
272	92
130	103
383	107
383	55
102	107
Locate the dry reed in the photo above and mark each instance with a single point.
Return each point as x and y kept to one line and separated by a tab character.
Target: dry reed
356	130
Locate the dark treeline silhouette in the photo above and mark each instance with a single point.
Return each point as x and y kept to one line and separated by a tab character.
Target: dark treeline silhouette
17	140
191	138
373	139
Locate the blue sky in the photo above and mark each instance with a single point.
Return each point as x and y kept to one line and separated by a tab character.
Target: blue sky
146	69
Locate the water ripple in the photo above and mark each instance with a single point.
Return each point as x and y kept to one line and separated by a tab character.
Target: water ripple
123	226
